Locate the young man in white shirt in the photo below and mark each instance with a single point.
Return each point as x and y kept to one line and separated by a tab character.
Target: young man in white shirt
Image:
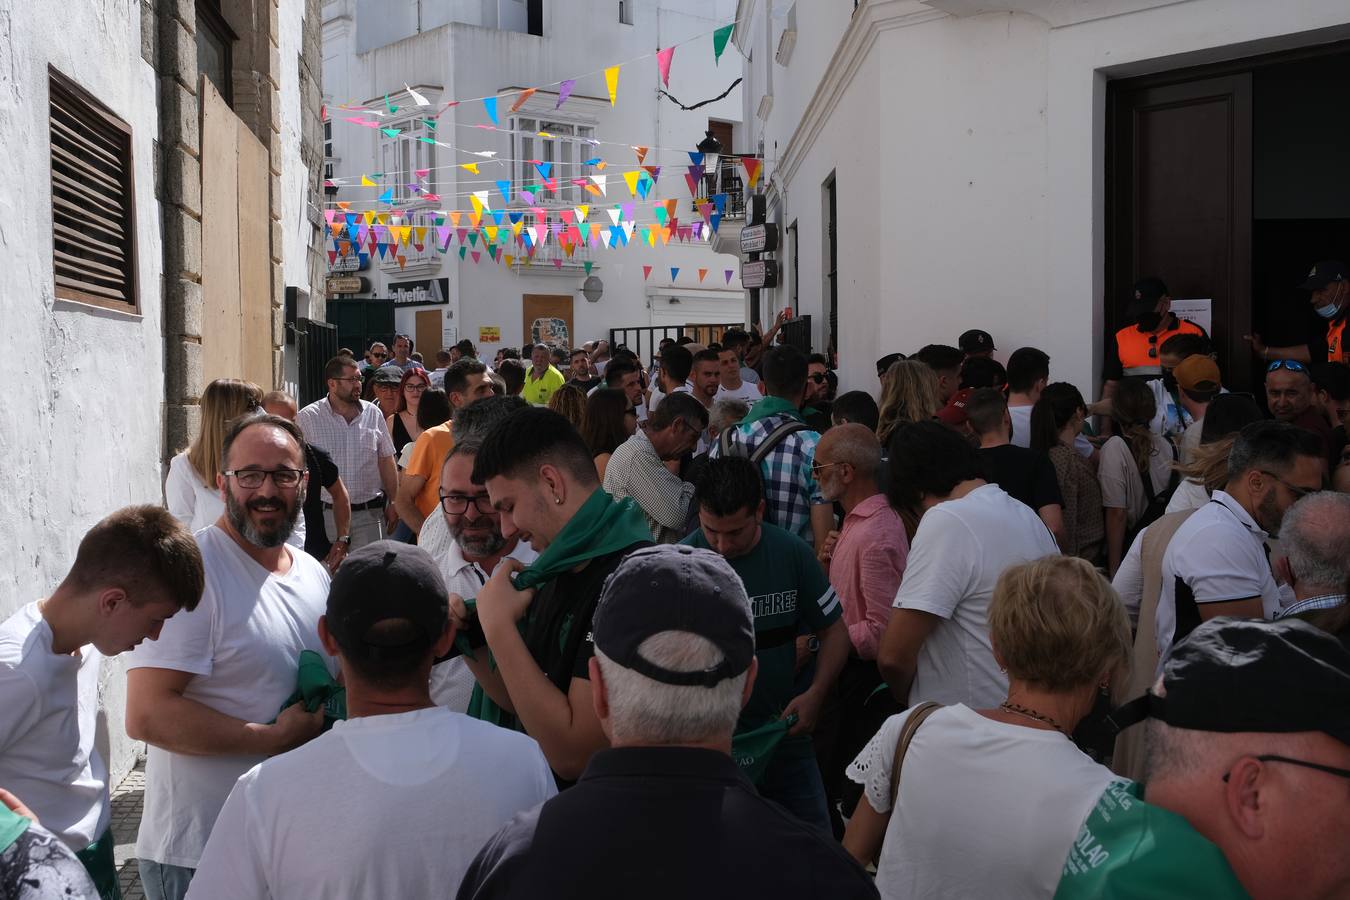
936	645
132	572
208	695
732	383
413	788
1216	564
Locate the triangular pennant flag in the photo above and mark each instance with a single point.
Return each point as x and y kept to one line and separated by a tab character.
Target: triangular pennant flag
663	58
693	181
332	257
597	185
646	272
387	196
328	215
417	98
720	38
419	235
585	229
491	232
510	259
522	97
568	216
674	272
463	251
473	239
641	153
612	82
631	179
369	216
505	187
469	167
366	182
653	171
615	215
565	91
545	169
490	104
381	249
696	159
392	109
702	274
645	185
483	198
392	132
443	236
594	161
477	203
628	210
728	273
557	263
476	255
455	217
497	216
422	173
714	220
583	211
705	210
752	169
587	265
402	261
661	214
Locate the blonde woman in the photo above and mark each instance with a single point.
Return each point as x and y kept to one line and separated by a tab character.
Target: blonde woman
910	395
190	491
990	800
1132	453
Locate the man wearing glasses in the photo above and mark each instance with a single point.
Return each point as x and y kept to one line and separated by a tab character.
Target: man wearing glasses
207	696
475	550
352	431
1216	563
1289	394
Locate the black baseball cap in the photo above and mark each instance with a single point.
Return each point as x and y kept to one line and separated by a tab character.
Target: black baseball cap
1328	271
388	375
975	341
382	581
1231	675
884	364
1144	299
674	587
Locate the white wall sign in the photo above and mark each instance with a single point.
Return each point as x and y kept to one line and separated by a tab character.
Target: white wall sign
1197	311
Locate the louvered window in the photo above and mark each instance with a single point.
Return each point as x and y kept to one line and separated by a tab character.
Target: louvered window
93	198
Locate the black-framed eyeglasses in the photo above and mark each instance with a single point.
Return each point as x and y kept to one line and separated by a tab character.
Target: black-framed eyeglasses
458	504
416	386
1292	365
1271	757
254	478
1298	492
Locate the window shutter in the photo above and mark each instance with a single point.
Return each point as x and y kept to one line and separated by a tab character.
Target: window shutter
93	216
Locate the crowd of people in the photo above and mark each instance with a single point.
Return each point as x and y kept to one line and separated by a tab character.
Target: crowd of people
599	626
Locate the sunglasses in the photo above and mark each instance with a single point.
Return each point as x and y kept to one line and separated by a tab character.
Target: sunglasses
1292	365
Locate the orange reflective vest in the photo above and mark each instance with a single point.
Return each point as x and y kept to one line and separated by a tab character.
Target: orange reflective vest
1134	346
1336	349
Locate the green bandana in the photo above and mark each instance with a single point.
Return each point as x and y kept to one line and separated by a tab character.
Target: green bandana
1130	850
11	826
316	687
771	406
752	750
601	526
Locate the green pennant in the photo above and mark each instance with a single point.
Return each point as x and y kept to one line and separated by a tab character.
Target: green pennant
587	265
462	251
720	38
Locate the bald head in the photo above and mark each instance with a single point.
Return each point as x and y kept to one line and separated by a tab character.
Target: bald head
851	443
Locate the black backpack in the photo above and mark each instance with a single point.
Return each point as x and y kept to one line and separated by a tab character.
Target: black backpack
1157	500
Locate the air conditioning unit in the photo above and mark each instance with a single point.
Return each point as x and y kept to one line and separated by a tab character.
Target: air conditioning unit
765	107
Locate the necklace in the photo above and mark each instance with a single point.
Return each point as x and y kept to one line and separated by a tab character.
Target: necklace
1031	714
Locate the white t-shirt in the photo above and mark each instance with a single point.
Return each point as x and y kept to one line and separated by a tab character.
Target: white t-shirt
48	713
242	643
1129	580
188	498
959	551
1122	487
451	681
387	806
747	393
1219	554
1188	495
986	809
1021	431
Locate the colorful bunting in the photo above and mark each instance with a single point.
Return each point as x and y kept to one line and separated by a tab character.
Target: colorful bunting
387	196
753	167
631	179
641	153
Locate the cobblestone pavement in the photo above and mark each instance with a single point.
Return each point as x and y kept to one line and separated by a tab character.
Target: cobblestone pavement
128	798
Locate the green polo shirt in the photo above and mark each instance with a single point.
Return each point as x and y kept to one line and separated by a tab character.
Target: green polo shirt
789	595
538	390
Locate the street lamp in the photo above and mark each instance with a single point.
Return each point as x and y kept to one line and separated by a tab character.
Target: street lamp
710	147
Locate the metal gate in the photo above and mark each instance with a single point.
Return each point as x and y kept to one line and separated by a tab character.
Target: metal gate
362	322
797	332
316	343
644	340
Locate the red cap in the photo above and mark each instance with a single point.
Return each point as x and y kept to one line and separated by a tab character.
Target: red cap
954	413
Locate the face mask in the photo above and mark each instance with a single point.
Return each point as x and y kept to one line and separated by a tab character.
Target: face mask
1328	311
1149	321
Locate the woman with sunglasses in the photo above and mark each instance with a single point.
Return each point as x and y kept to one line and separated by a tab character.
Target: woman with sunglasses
403	427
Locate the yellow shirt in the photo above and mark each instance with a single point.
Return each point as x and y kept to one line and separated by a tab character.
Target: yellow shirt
538	390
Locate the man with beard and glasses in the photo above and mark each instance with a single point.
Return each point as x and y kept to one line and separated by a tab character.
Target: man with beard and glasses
473	554
206	695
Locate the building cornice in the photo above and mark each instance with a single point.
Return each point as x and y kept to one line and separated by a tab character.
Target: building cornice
873	18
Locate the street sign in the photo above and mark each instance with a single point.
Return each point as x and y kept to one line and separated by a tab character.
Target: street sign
759	273
352	262
347	284
759	238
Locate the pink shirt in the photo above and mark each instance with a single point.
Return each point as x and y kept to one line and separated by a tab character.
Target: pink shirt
866	568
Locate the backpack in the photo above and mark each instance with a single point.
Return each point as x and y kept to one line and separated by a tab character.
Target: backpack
728	447
1157	500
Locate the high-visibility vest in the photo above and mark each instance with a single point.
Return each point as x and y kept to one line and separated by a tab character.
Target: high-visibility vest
1133	346
1337	351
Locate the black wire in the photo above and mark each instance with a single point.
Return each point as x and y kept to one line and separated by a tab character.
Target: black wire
705	102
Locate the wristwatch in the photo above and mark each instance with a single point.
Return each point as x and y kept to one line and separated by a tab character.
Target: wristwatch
346	539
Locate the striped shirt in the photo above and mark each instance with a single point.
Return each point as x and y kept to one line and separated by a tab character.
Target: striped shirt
1311	604
356	446
634	470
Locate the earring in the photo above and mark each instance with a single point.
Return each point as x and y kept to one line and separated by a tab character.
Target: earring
557	500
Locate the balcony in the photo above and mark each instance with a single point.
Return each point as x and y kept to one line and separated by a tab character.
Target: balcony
726	179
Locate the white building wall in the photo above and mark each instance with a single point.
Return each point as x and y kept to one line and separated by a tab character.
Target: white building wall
81	430
462	60
969	151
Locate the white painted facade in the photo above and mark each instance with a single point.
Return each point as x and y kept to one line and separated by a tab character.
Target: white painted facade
966	138
476	49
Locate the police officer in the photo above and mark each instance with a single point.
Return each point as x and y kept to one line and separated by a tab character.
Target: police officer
1136	346
1329	294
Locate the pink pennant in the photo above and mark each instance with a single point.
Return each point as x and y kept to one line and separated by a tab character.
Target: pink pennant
476	255
646	272
422	173
663	58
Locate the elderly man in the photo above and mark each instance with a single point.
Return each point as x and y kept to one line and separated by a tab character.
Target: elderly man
352	432
542	378
203	694
1315	537
669	680
637	468
1289	394
396	758
1249	752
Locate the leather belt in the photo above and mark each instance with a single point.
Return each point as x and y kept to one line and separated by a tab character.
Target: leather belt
377	503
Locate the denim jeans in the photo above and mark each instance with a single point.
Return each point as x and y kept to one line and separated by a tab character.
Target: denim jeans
795	785
164	882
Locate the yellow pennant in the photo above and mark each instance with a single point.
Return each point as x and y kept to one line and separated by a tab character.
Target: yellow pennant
612	82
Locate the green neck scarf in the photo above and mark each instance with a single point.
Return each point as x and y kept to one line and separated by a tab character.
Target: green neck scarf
771	406
601	526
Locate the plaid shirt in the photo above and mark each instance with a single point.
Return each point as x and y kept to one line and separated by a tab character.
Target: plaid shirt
356	446
790	490
1312	604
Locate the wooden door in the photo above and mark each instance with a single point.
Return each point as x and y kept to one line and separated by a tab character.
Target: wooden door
1179	183
548	320
427	334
